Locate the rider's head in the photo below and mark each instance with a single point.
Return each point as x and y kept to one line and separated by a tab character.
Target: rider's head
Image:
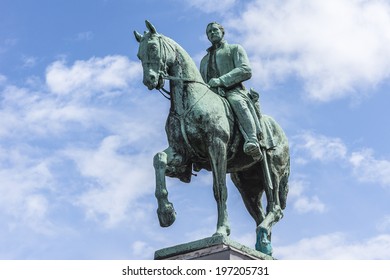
215	32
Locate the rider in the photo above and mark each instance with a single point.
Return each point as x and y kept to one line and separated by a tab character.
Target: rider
224	68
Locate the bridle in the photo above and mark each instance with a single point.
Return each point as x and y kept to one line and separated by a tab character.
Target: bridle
163	70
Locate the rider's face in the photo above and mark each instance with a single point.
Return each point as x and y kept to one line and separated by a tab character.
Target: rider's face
214	34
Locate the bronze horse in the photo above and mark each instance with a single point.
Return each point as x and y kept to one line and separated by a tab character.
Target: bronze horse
202	133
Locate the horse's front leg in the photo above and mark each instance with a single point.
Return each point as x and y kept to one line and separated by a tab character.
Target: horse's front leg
165	211
217	154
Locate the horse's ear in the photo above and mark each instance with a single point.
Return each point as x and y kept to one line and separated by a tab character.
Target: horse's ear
150	27
138	36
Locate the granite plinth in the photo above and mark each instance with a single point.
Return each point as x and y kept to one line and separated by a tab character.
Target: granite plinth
210	248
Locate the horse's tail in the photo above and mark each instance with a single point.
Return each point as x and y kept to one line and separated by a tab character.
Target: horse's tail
283	186
276	140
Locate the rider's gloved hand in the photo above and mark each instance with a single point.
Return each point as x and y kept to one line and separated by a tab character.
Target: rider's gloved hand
215	82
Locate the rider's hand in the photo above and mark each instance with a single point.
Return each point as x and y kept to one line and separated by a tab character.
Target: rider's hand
215	82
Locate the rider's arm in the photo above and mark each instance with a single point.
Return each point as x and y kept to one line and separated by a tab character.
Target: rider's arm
241	71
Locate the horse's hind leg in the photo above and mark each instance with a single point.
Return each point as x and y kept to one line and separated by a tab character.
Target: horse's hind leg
249	184
217	154
264	230
274	211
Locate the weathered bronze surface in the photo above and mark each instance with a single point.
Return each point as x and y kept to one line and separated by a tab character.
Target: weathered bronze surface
205	131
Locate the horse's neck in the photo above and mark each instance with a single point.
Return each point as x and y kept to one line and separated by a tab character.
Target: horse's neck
183	66
184	93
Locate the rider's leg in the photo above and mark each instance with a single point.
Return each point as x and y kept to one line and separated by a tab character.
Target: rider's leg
238	101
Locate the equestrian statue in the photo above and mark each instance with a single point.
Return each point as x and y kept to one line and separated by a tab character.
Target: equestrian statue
214	123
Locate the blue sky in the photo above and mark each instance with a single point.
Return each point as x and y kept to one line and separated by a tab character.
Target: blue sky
78	129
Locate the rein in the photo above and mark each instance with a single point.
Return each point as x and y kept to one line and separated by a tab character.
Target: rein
172	78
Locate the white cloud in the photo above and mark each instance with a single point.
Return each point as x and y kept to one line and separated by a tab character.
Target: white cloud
27	113
84	36
212	6
29	61
364	166
302	203
368	169
25	178
3	79
384	224
117	180
36	210
336	47
74	97
142	250
336	246
318	147
94	75
42	126
306	204
7	44
247	239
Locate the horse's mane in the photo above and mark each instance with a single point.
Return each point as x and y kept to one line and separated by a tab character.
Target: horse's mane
171	45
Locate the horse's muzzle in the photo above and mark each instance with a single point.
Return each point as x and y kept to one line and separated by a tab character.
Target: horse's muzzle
151	80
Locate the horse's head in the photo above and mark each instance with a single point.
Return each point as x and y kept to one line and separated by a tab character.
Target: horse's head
154	57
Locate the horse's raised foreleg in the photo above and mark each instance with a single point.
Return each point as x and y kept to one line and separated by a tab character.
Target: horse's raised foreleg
217	154
165	211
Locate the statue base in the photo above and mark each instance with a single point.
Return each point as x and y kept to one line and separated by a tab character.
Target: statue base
210	248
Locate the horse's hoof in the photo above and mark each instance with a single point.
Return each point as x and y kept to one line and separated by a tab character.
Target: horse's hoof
262	242
218	234
222	231
166	215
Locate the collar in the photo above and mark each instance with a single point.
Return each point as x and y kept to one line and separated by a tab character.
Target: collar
220	45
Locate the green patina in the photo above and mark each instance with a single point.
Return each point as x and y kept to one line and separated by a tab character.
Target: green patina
214	123
208	242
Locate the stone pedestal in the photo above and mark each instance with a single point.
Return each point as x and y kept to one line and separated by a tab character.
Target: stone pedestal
211	248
